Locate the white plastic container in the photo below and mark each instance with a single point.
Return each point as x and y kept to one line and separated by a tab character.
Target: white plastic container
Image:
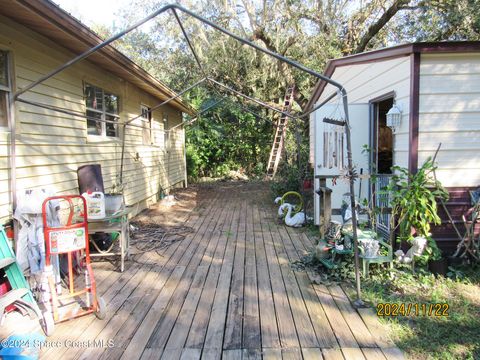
95	204
113	203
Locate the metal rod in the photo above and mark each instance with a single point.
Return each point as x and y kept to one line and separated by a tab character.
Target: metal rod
198	115
350	165
304	114
259	48
92	50
187	39
251	98
12	125
168	100
196	16
80	115
122	158
253	45
256	114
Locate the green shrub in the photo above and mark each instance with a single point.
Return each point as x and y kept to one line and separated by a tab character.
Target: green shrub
193	162
287	179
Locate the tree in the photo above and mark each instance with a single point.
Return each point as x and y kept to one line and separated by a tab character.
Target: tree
307	31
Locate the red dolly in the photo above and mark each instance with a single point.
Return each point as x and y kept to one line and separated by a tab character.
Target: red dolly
69	239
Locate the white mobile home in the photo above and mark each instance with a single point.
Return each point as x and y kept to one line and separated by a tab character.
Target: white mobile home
436	87
50	143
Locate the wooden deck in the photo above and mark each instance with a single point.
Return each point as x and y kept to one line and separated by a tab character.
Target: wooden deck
226	291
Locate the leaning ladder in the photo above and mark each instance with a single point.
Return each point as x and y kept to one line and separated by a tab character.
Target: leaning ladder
280	132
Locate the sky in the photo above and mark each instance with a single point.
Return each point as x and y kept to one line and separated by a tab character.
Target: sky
92	12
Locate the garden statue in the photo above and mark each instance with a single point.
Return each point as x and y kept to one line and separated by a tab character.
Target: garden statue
322	250
282	210
296	220
418	246
370	247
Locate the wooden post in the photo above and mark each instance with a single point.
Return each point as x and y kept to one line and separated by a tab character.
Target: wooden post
325	206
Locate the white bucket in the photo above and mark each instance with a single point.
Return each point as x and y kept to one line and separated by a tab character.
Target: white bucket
95	204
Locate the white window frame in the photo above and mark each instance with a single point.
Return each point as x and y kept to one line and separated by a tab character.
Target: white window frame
147	122
103	113
5	91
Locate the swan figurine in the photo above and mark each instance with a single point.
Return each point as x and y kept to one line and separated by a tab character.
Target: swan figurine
419	244
282	207
296	220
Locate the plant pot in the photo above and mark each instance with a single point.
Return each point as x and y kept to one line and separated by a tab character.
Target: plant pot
307	184
438	267
454	261
113	202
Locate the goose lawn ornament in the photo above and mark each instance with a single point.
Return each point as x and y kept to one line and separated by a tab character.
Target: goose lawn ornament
296	220
282	208
418	246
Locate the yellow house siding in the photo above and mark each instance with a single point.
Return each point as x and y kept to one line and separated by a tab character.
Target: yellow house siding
450	114
51	145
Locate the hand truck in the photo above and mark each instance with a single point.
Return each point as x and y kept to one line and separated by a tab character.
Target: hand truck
69	239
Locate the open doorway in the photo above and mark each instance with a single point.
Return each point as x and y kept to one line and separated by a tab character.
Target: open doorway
382	136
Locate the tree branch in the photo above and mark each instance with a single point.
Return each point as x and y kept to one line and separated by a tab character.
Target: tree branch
259	34
379	24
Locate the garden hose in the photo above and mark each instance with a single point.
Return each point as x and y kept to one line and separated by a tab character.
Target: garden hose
296	207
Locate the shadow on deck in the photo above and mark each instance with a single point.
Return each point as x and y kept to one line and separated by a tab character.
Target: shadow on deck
225	291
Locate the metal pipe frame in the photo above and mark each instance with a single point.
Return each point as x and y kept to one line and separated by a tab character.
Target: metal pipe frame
236	92
71	113
214	105
176	96
279	57
197	115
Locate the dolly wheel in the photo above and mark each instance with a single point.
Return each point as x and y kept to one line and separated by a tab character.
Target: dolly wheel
48	324
101	312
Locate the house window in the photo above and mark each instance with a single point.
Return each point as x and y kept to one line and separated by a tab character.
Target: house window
103	106
147	124
4	88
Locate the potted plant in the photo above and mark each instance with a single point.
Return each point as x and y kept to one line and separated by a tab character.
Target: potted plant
414	206
114	199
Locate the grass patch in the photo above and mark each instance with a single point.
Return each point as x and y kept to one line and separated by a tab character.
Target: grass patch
431	337
456	336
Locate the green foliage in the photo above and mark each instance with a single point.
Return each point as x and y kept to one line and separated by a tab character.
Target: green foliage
420	336
227	138
294	166
193	163
414	202
430	337
287	179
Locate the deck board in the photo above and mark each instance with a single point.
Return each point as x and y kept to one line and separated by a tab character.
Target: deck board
227	290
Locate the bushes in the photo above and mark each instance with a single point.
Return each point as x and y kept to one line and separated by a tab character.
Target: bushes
227	139
287	179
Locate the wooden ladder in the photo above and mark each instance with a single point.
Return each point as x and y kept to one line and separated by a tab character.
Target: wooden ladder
280	132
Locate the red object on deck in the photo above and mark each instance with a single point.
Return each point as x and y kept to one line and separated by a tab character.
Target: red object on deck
307	184
9	232
4	288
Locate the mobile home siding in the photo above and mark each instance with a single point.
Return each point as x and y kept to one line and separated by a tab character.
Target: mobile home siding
450	114
367	81
51	145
